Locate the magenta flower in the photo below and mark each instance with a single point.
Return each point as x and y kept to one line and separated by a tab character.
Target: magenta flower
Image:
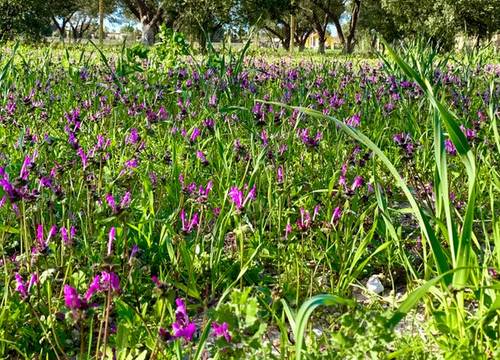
203	192
450	147
354	121
41	240
155	280
357	183
93	288
33	281
133	137
316	211
20	286
189	225
201	156
131	164
209	123
279	175
213	100
264	138
126	200
337	214
308	140
25	169
237	196
109	281
342	181
72	298
110	200
304	222
194	135
106	281
182	327
470	134
288	230
83	157
221	330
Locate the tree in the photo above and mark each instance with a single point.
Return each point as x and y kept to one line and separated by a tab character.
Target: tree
337	10
28	18
61	13
270	15
318	19
373	16
205	18
151	13
79	15
479	18
430	19
303	29
275	16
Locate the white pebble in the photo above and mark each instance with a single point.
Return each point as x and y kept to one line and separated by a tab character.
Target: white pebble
374	285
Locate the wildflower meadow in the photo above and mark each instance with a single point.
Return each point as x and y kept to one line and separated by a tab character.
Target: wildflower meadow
159	204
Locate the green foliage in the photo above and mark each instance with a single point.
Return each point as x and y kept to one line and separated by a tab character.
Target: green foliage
307	231
246	321
26	18
171	47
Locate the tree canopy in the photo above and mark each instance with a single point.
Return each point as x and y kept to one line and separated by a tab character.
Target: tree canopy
437	20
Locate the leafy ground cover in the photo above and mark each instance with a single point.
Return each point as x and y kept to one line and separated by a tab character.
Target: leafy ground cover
157	205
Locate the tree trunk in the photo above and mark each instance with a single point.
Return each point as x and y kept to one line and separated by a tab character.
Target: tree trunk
340	33
285	42
148	33
202	41
350	42
321	44
373	44
60	28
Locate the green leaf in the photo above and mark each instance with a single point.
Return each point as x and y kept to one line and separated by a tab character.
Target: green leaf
305	312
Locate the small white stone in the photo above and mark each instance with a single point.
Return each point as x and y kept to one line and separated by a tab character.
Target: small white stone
317	332
374	285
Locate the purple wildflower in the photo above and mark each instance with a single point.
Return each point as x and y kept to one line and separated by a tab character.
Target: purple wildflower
337	214
131	164
304	222
354	121
25	169
288	230
72	298
237	196
264	138
308	140
279	175
182	327
93	288
126	200
221	330
188	225
201	156
133	137
83	157
357	183
20	286
66	236
194	135
110	200
450	147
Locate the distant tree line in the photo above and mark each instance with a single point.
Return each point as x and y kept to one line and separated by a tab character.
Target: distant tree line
289	21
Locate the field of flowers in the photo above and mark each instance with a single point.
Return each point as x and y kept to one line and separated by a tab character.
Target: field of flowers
230	206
